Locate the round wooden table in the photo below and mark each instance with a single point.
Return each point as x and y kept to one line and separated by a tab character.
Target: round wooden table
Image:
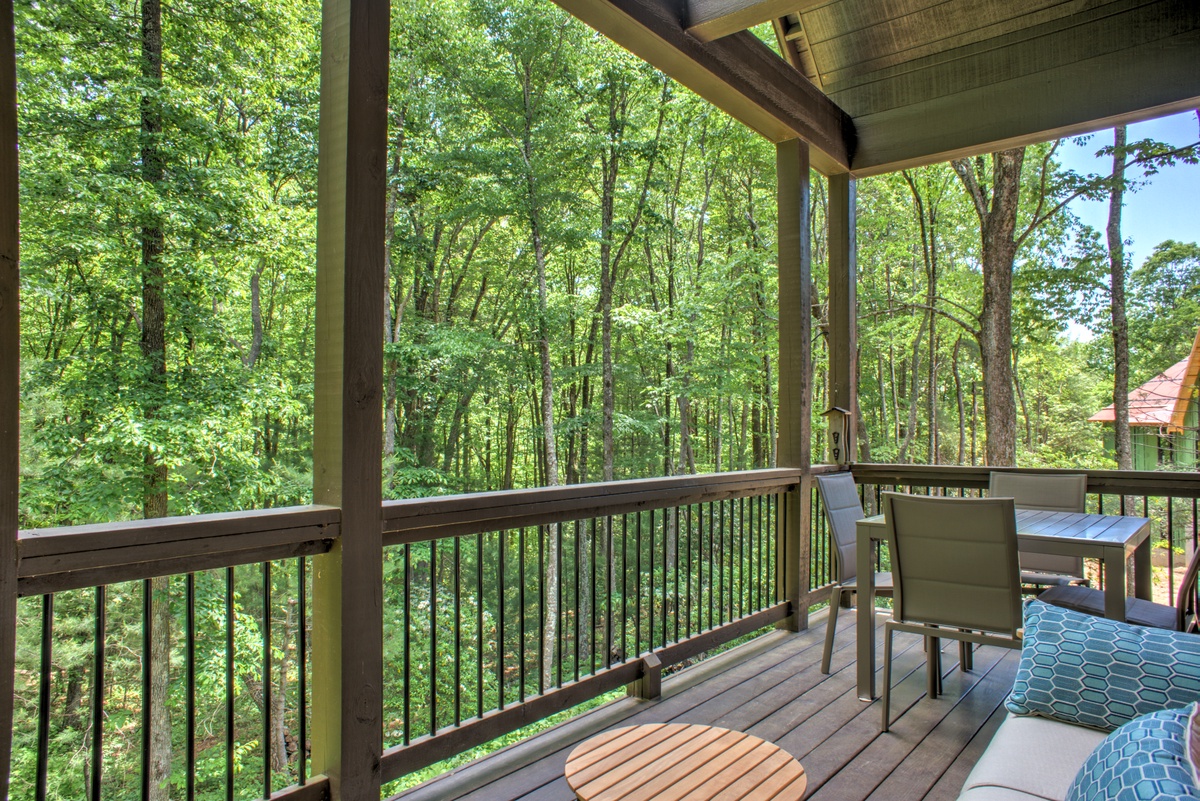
675	761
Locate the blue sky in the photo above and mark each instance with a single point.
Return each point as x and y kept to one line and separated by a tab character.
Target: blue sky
1168	207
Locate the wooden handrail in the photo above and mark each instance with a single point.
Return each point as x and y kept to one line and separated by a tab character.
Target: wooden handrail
1107	482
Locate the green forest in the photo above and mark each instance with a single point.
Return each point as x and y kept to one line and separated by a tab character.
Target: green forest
580	263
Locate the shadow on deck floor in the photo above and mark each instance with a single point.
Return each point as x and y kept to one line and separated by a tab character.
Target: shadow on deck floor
773	688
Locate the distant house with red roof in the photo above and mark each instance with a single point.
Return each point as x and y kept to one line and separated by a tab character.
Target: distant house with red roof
1164	417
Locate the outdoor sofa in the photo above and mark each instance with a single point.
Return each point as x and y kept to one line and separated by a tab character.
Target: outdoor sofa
1099	710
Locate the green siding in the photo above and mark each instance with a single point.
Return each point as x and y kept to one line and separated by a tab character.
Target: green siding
1145	448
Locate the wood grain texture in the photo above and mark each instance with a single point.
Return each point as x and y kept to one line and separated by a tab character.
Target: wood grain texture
1110	482
10	379
737	73
793	197
347	461
843	306
316	789
678	761
1156	71
712	19
429	518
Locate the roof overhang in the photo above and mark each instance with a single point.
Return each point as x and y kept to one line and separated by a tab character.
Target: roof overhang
876	87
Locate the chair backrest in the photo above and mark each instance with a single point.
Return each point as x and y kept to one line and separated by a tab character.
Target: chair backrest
1050	493
843	509
954	561
1187	604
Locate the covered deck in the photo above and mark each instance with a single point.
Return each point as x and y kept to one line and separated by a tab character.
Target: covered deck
772	687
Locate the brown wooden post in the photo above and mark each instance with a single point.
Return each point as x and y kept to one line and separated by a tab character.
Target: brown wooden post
795	371
843	312
347	730
10	382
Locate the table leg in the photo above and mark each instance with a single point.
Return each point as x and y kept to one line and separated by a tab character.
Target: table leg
865	630
1114	583
1143	576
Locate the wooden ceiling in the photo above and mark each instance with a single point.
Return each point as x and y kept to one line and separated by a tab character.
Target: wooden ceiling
906	82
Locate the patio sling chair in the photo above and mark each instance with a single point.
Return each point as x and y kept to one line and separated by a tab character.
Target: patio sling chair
1180	617
1050	493
954	567
843	510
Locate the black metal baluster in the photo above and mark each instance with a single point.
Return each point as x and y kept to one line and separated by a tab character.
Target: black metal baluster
98	693
762	553
1170	548
302	749
610	563
521	616
726	576
43	732
147	678
266	677
712	562
503	535
578	606
562	612
541	662
592	595
743	570
479	625
637	615
458	631
433	638
624	586
230	725
678	559
688	628
189	657
650	605
407	631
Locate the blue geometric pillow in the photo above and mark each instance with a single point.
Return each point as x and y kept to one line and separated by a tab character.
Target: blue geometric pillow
1144	760
1100	673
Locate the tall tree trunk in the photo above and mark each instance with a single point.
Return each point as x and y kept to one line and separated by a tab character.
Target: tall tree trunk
550	450
153	347
1120	329
958	396
996	207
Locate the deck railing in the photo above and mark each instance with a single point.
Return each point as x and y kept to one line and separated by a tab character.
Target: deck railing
500	609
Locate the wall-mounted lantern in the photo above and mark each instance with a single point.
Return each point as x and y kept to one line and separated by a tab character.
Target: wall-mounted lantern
839	434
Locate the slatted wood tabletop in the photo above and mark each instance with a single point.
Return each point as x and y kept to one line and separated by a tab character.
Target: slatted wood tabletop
682	762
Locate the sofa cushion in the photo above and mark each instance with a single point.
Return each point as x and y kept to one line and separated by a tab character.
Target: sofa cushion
1100	673
1144	760
1030	757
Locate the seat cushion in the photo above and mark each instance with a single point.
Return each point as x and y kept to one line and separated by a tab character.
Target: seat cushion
1091	602
1048	579
1082	669
1146	760
1030	757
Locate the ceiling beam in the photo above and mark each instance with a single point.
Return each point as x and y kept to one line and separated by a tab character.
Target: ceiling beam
712	19
738	74
1118	87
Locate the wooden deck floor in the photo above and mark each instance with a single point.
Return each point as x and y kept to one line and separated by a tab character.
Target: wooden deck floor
773	688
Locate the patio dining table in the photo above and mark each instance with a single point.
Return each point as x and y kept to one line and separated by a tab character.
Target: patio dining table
1112	539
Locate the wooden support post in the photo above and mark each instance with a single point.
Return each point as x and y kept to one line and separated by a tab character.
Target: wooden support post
347	730
10	381
843	314
649	683
795	372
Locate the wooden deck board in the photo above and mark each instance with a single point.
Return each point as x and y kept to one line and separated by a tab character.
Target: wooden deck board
775	690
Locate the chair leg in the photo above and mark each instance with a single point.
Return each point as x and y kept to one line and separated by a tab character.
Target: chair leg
933	662
887	677
835	603
966	654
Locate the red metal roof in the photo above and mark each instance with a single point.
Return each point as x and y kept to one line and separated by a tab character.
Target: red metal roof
1162	401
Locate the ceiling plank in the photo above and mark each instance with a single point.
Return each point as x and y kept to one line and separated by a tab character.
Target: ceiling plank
1122	86
737	73
712	19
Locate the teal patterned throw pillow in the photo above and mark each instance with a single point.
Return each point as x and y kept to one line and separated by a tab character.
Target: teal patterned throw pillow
1100	673
1144	760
